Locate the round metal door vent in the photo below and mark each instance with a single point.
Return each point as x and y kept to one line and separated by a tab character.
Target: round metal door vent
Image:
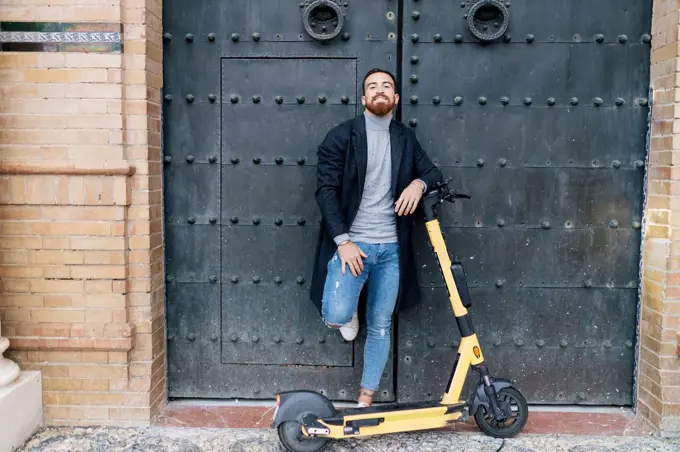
323	19
488	20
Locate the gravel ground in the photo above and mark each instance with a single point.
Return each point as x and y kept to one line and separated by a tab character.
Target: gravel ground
162	439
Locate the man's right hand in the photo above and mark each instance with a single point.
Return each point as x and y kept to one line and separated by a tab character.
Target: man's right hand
351	254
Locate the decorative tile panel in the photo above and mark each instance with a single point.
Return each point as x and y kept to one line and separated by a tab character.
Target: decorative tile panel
61	37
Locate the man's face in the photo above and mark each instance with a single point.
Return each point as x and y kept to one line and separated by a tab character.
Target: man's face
379	97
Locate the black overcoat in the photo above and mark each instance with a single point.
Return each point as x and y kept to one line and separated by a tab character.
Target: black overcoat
341	172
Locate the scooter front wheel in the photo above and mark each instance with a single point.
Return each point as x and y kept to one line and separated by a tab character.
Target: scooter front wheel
294	440
512	402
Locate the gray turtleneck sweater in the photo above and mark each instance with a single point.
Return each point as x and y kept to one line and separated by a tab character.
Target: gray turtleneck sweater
375	221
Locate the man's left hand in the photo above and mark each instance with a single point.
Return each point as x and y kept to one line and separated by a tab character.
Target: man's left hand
409	199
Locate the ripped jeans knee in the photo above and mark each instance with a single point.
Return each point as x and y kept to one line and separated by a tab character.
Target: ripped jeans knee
336	318
341	294
379	331
338	307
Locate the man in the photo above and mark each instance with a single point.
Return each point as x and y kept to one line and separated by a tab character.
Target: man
371	175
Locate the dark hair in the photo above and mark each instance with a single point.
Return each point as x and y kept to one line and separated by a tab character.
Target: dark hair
375	71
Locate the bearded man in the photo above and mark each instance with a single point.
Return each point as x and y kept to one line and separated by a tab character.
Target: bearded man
371	175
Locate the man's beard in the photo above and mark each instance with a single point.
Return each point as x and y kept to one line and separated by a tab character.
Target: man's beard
380	109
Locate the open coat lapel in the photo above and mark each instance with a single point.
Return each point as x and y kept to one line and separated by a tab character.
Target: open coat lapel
397	143
360	145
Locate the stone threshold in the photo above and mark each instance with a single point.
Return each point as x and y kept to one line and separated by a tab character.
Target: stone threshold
542	420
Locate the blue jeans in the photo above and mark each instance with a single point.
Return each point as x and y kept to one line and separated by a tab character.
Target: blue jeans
341	298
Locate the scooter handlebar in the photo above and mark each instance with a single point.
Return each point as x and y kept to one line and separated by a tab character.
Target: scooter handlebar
447	194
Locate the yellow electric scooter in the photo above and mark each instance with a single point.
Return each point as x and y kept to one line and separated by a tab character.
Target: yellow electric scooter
307	421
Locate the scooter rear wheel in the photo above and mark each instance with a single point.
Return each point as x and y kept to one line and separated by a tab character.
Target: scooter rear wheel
511	401
293	440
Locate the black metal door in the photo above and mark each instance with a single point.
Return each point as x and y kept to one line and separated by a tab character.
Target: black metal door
545	126
255	86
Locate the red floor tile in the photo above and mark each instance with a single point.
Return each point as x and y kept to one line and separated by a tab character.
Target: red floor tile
216	417
540	422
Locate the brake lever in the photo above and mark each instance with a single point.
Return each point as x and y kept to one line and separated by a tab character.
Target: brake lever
443	183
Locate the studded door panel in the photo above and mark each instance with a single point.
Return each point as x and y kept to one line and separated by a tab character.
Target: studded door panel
545	127
250	90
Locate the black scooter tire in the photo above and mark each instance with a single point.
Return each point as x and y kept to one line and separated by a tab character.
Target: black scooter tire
293	440
496	432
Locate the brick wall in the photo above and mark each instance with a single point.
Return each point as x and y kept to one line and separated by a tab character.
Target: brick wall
80	212
659	365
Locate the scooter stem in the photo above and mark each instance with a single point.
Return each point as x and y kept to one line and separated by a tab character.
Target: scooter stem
439	247
469	351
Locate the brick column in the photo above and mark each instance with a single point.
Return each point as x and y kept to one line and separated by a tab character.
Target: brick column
81	260
659	364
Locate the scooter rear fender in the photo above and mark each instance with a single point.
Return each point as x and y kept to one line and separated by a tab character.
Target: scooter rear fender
294	405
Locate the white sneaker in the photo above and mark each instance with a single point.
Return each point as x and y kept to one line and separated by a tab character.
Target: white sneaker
350	330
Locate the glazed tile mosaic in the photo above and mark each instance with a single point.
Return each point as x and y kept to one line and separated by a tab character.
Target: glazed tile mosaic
60	37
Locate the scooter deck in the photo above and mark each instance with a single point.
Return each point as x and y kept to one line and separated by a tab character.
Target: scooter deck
398	417
389	408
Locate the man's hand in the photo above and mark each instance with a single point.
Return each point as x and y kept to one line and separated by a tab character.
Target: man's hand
409	199
351	254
